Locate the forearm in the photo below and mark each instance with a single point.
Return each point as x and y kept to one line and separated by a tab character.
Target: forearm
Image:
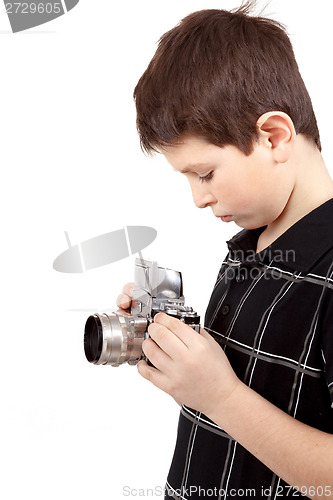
299	454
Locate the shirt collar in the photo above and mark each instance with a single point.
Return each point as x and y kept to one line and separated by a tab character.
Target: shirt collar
298	248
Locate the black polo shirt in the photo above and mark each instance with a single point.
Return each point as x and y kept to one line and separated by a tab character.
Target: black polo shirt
272	313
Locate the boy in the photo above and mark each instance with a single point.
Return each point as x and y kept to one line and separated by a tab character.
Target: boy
223	101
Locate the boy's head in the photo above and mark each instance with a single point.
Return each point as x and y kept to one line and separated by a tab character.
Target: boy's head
214	75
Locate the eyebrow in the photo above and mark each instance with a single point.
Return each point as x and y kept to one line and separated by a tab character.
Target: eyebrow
191	167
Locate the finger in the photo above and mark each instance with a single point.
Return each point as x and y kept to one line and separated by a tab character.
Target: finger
167	341
123	301
156	377
184	332
156	355
128	289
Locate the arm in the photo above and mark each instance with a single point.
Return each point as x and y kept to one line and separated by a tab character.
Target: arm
302	456
299	454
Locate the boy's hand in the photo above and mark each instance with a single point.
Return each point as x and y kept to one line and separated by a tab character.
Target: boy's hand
124	300
192	368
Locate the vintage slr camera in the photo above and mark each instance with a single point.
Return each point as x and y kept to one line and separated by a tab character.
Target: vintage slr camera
114	339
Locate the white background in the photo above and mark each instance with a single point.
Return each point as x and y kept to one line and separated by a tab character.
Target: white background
71	161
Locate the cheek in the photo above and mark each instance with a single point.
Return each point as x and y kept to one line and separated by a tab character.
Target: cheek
242	193
229	188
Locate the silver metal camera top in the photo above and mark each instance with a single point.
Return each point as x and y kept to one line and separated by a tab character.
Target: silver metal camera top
155	285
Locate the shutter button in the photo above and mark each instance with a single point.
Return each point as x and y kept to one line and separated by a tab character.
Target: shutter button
225	310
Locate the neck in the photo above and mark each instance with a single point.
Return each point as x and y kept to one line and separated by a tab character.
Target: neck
313	186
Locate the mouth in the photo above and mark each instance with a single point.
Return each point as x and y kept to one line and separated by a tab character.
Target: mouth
225	218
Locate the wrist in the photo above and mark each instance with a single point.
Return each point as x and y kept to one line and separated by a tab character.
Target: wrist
226	410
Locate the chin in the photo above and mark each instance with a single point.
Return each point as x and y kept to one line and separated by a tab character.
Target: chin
248	225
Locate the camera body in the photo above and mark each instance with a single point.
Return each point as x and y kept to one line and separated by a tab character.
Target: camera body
114	339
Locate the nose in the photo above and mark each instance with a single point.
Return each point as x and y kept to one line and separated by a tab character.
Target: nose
201	196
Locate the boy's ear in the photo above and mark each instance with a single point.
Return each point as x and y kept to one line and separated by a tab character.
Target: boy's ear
276	130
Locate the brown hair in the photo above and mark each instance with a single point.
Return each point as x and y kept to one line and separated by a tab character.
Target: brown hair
214	75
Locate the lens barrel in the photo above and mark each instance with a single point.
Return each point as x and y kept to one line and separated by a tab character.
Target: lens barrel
93	338
114	339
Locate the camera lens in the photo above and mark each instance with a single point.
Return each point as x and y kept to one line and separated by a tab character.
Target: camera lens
114	339
93	339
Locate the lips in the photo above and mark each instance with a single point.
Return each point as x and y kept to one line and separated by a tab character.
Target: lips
226	218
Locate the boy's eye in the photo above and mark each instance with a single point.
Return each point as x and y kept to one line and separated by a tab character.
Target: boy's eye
206	178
